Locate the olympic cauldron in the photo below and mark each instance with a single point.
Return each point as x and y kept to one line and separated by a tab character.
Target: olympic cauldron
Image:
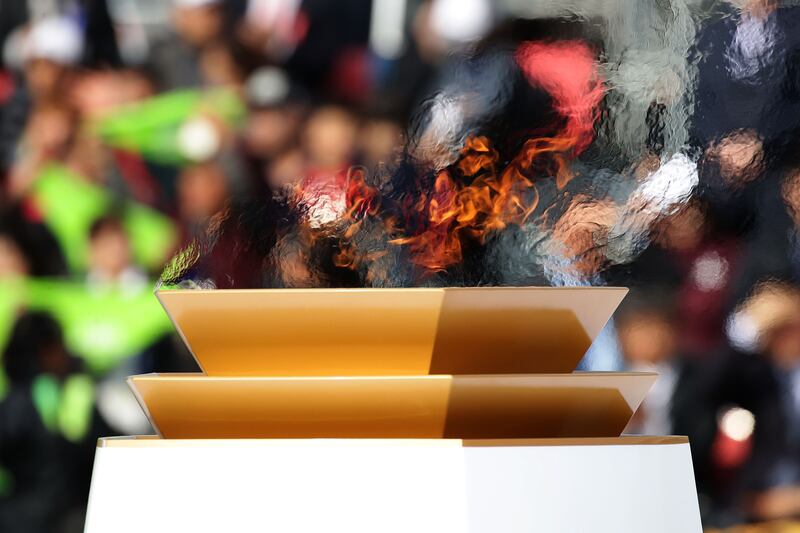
363	410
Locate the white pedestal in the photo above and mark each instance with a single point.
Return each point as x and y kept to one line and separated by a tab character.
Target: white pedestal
621	485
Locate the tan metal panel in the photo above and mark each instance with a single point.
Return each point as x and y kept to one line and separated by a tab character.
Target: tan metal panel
328	332
475	407
302	332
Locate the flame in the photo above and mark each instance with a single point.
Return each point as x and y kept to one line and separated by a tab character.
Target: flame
362	200
478	195
489	202
469	200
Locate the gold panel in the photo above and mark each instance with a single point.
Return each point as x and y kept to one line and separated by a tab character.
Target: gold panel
379	332
474	407
311	332
596	404
195	406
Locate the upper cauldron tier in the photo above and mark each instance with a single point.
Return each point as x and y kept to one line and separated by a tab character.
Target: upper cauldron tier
369	332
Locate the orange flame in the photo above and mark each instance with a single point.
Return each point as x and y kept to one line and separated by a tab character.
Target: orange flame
473	198
362	200
469	200
489	202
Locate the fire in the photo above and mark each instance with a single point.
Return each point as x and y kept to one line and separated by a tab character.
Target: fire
468	201
480	194
362	200
473	199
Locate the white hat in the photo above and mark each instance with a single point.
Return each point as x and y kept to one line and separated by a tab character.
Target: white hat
57	39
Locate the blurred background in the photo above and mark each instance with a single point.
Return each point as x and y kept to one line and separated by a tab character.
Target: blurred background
128	128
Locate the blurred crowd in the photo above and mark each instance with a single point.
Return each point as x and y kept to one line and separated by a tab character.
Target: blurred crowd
127	125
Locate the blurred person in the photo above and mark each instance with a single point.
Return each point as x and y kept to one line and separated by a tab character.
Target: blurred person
690	256
739	157
270	131
270	135
729	407
379	140
768	323
175	58
285	170
648	341
48	429
41	55
202	191
731	404
197	22
48	135
328	145
329	139
45	50
581	232
110	262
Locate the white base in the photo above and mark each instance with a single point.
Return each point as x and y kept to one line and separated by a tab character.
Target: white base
625	485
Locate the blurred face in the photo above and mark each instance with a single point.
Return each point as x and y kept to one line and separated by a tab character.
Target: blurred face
379	139
647	339
109	252
583	229
12	261
740	157
202	191
42	77
286	170
330	137
269	131
197	25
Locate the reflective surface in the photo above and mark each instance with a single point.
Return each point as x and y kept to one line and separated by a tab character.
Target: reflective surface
389	332
471	407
